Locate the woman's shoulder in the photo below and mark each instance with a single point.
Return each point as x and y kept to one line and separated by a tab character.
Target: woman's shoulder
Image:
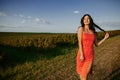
80	28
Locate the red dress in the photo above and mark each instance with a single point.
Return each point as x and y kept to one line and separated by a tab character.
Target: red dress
88	51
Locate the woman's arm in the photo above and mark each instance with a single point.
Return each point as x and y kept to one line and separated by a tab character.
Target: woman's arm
101	41
80	32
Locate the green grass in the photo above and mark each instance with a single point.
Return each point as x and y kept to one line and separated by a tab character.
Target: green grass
21	64
58	63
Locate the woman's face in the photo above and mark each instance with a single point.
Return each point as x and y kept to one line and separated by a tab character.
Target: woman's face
86	20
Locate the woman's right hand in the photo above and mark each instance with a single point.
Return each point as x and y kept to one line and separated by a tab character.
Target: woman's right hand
82	58
106	35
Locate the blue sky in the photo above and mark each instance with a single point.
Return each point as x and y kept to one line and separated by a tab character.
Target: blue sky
56	16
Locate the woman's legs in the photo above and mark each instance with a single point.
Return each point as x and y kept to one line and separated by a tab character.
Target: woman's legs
80	77
85	70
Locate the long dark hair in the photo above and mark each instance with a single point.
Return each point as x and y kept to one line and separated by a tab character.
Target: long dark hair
92	24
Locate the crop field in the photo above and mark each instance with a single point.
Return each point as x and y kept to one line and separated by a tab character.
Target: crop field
52	56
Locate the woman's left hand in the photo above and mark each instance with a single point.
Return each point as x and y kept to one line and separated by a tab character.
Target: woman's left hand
106	35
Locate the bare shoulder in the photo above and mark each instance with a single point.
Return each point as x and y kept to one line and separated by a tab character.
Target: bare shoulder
80	29
80	32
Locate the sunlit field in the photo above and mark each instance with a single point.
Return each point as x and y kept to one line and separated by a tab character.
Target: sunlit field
52	56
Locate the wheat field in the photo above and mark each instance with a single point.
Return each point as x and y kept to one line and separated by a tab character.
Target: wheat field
58	63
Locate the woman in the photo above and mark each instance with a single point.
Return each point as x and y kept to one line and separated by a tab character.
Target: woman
86	39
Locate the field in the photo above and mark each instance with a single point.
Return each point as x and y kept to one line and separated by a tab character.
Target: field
37	56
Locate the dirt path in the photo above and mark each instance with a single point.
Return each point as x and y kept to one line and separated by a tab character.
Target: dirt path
107	60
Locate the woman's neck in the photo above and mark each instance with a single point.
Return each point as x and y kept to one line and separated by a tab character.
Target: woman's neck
86	26
87	29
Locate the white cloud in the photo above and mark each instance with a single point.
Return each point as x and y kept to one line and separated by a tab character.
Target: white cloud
26	20
29	17
37	19
23	21
15	15
47	22
109	25
20	15
43	21
76	11
3	14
